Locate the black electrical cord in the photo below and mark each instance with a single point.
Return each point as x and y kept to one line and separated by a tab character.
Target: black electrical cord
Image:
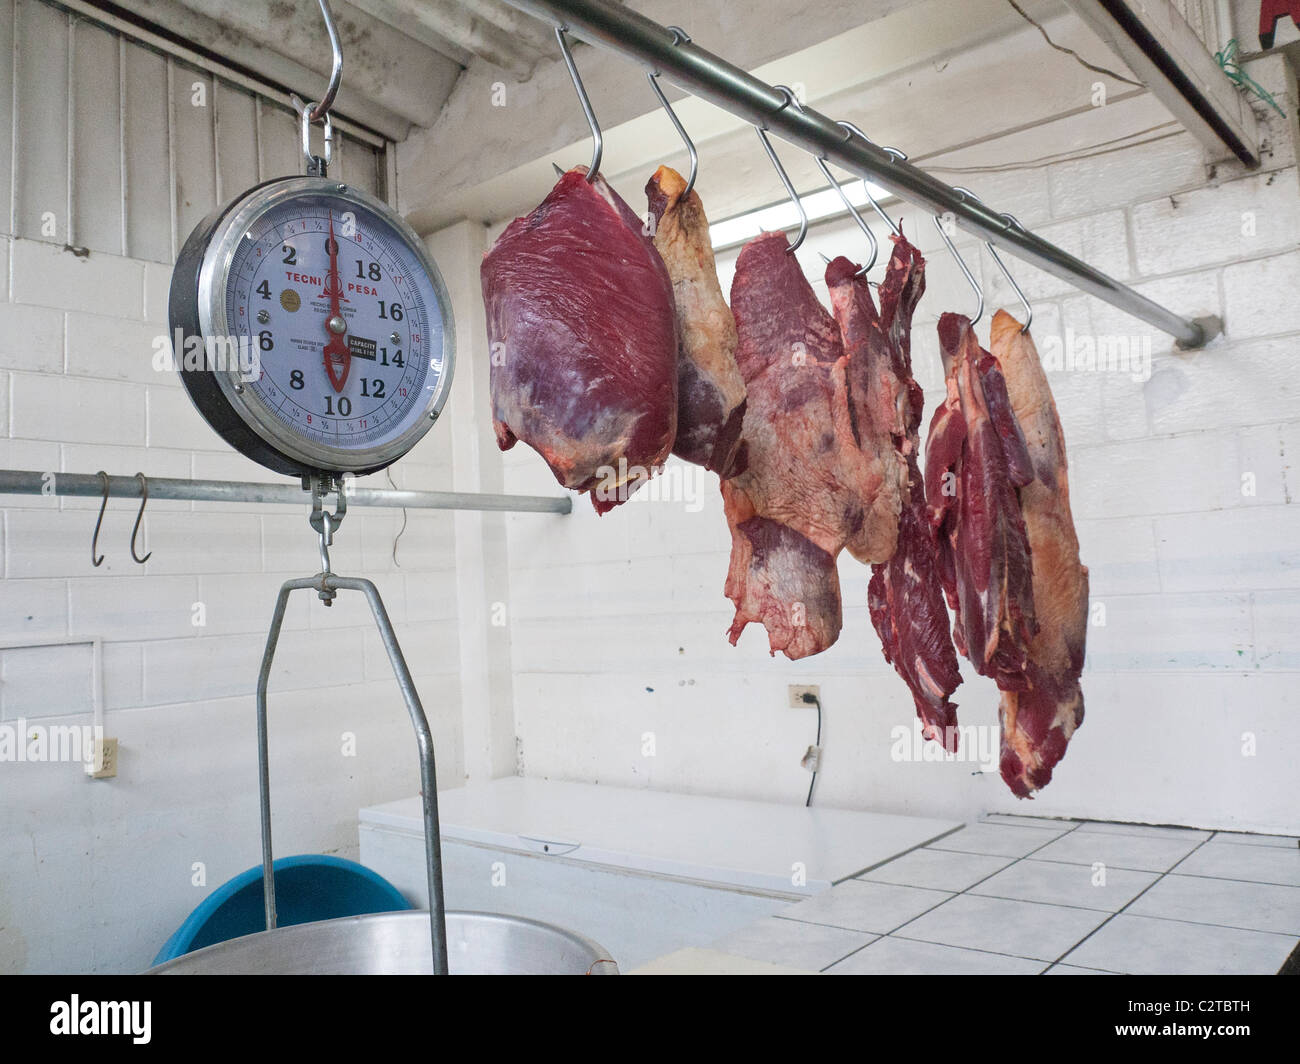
1070	51
811	699
389	473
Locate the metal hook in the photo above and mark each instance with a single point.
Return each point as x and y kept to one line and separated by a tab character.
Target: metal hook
324	537
597	141
97	561
326	524
897	156
862	224
979	292
1011	219
144	498
785	178
965	193
321	110
792	99
304	112
681	130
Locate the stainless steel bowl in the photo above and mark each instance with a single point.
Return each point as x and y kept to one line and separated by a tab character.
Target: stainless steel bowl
398	944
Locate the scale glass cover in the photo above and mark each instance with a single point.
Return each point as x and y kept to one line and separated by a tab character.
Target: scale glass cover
311	328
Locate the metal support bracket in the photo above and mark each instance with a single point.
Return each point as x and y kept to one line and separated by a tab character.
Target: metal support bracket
327	583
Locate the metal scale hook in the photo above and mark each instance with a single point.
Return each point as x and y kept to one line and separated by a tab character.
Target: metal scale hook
326	524
320	112
327	585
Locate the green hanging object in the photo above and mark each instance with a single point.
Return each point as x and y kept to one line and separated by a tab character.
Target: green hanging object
1227	60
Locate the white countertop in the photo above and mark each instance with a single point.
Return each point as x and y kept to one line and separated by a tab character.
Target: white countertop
760	846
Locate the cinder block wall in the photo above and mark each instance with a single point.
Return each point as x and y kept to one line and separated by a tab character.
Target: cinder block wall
94	875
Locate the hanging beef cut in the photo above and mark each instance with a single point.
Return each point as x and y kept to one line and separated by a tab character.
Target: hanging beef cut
782	580
583	339
806	472
905	596
710	389
976	462
1038	719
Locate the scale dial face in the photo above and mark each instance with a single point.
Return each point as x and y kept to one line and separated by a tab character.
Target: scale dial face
339	320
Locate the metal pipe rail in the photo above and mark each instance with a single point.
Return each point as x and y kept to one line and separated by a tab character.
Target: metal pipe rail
91	485
690	67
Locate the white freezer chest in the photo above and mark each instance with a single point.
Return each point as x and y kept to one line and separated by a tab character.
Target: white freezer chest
642	872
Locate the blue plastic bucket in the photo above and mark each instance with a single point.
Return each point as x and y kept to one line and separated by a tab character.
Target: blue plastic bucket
308	887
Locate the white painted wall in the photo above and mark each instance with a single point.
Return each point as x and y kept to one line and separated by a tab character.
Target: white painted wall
94	875
617	623
615	626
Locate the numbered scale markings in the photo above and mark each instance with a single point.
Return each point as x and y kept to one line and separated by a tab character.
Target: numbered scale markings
317	332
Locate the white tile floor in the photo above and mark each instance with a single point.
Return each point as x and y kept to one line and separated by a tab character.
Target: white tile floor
1026	895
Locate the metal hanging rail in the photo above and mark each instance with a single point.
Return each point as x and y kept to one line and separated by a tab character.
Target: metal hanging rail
91	485
690	67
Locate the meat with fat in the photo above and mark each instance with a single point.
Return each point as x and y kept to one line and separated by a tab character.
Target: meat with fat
1039	718
710	389
905	596
583	340
783	581
806	471
976	462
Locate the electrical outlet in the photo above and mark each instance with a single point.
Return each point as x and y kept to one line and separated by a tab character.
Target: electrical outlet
797	693
104	765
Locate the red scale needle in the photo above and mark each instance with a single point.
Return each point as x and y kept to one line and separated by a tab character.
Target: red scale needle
338	357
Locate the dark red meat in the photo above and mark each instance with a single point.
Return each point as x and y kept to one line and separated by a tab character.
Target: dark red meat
976	462
786	583
905	595
1039	718
806	470
583	337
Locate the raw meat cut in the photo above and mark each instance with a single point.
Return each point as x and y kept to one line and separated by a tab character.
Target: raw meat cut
805	469
976	460
710	389
905	596
1038	720
783	581
875	391
583	339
